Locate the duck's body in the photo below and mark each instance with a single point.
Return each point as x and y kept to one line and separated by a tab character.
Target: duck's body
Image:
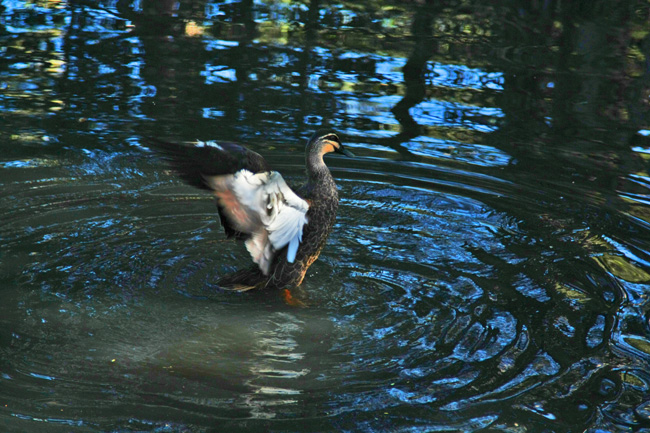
284	231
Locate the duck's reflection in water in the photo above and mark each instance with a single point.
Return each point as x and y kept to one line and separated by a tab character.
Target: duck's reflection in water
273	378
248	364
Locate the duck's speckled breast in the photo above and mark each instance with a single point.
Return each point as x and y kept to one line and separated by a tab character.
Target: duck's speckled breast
321	216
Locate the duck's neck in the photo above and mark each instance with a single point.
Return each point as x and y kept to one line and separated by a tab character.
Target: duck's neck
316	167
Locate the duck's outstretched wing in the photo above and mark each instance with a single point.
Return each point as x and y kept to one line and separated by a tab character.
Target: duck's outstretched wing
194	162
255	204
263	206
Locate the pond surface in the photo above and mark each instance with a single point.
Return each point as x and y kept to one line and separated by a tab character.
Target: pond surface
490	265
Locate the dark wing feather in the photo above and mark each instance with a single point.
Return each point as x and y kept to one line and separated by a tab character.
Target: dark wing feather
193	163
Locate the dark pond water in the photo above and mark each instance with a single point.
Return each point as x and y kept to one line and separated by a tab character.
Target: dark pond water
490	267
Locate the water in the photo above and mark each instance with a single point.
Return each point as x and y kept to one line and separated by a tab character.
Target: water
490	266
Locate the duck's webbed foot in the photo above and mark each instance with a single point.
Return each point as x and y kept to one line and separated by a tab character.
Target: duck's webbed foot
294	296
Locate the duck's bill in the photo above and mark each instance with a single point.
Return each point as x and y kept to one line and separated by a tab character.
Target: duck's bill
347	153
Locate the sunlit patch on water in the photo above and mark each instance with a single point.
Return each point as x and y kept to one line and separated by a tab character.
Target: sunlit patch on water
459	151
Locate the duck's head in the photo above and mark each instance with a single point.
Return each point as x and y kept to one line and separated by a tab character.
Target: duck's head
326	141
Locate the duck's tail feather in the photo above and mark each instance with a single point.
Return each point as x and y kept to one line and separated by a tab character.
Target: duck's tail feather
243	280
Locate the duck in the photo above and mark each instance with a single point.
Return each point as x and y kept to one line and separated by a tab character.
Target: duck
284	230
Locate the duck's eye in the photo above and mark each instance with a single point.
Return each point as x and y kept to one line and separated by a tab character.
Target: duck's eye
332	137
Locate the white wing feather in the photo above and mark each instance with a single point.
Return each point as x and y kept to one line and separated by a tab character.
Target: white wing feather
264	206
